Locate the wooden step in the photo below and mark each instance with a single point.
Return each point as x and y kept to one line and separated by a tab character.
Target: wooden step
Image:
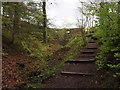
87	52
76	73
87	55
91	42
91	47
79	61
94	38
88	67
89	35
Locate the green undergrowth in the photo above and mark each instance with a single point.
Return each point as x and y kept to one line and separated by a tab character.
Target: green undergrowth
31	44
75	44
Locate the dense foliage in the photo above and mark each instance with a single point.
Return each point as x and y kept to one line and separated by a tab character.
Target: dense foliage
108	34
107	31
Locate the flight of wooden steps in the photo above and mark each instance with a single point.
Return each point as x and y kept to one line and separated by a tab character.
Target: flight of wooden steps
85	65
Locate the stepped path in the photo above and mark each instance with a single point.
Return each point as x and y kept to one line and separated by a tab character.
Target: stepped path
78	73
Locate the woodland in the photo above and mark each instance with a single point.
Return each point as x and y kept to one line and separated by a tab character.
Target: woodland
33	52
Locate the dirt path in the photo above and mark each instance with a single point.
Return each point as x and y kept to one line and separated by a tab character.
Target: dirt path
78	73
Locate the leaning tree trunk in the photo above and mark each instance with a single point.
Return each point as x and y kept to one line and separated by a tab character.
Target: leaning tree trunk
44	22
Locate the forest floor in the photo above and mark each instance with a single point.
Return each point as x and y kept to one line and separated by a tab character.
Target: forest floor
77	73
11	74
13	63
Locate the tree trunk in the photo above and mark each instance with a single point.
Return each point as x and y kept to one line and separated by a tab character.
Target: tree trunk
44	22
16	21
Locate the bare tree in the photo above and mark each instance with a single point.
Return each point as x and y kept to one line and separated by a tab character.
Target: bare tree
82	32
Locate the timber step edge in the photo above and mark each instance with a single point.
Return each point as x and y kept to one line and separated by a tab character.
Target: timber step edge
79	61
77	73
91	42
87	52
91	48
88	55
